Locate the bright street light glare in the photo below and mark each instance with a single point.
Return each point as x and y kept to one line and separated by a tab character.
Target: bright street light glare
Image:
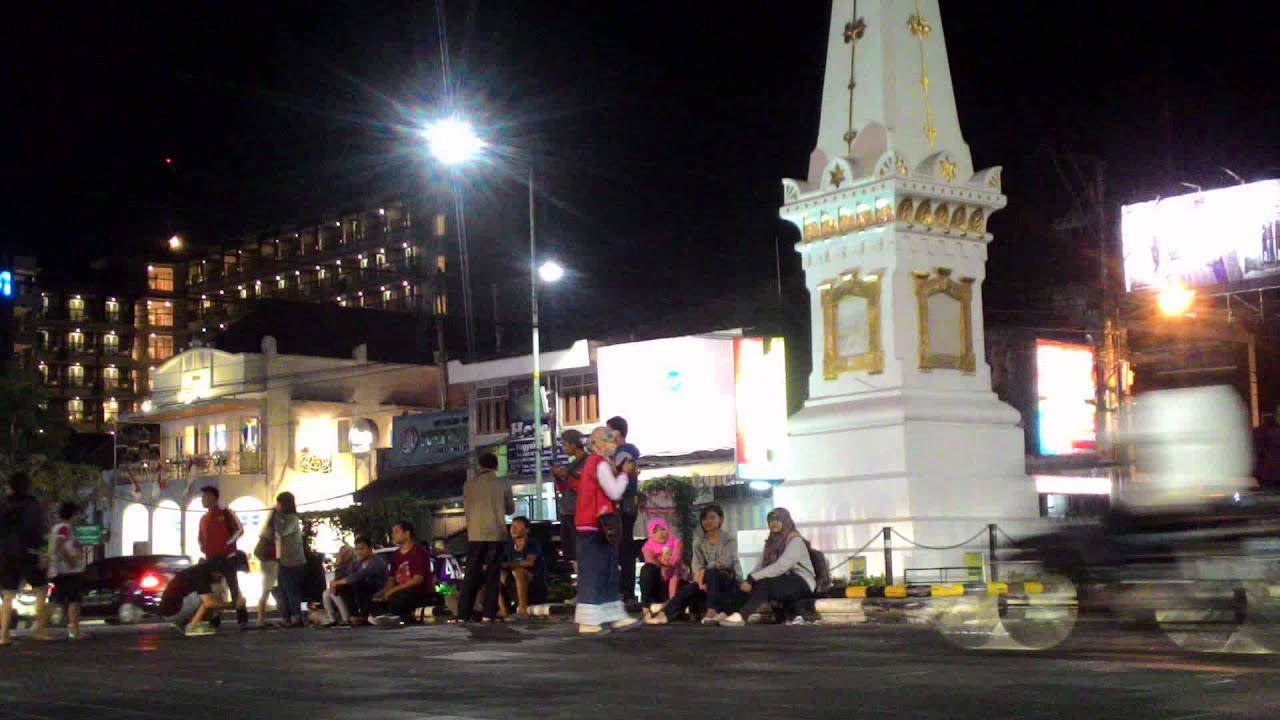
175	243
1174	299
453	141
550	271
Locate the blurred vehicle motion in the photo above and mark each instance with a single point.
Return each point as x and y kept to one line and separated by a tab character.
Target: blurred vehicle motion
1190	544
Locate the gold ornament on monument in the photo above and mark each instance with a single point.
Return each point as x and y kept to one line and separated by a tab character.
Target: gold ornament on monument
884	211
977	222
958	220
924	213
846	220
811	231
828	225
864	215
905	209
942	216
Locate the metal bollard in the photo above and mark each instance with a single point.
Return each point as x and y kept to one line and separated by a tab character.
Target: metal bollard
991	548
888	556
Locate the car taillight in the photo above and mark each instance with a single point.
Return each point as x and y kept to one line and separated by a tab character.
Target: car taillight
150	581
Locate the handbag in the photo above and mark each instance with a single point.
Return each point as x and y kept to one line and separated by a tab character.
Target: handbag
610	524
265	548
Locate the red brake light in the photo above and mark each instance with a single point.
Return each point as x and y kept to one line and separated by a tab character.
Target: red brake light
150	581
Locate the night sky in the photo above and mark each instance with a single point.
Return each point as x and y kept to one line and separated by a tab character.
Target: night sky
660	129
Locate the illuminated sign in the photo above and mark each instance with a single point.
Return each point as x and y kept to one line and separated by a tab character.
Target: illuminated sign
428	438
1219	237
6	284
760	389
1066	416
677	394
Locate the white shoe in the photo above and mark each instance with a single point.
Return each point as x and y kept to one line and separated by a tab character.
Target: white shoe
591	630
734	620
387	620
624	625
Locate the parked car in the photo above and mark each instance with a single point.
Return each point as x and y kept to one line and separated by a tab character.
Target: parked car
125	589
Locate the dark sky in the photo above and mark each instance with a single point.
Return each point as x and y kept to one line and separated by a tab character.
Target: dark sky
661	128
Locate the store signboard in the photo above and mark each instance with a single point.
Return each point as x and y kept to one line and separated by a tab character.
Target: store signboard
521	443
1066	415
760	390
1226	237
429	438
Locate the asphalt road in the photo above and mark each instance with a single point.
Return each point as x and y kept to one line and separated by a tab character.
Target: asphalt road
541	670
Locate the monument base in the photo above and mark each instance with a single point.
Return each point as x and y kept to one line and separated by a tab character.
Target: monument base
934	466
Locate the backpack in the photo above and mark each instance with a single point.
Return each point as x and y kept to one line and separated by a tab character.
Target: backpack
821	571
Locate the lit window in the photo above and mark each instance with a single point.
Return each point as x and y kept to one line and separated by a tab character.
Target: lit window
75	308
282	283
382	258
387	296
440	228
110	378
160	347
75	410
364	261
75	341
187	443
321	274
217	438
160	278
43	339
113	310
159	313
249	431
75	375
244	293
441	262
111	342
110	410
44	373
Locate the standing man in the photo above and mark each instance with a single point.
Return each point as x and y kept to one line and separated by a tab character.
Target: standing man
410	584
219	531
487	501
629	508
21	541
566	492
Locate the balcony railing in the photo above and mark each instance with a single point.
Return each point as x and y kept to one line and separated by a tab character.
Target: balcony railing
219	463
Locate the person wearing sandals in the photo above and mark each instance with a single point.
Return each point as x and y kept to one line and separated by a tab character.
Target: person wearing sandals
600	487
785	573
664	570
716	574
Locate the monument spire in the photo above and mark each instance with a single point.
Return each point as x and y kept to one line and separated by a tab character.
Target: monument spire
888	82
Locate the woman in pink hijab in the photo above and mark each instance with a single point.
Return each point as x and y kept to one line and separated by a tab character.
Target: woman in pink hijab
663	571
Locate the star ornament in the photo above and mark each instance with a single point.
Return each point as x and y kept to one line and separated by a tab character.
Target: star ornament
948	168
837	175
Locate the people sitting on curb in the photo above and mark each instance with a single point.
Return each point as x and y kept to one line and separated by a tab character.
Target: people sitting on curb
190	597
785	573
717	574
664	570
524	571
335	604
365	577
409	586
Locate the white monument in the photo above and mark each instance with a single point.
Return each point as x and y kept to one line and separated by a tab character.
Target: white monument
901	427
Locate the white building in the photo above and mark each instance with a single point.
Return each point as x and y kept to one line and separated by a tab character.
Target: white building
255	425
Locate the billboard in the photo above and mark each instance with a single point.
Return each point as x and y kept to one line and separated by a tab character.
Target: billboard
677	394
760	387
1219	237
521	443
1065	411
429	438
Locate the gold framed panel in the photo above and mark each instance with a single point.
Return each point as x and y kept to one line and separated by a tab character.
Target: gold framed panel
940	282
834	363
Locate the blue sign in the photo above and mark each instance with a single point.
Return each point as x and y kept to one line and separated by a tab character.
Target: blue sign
6	284
429	438
521	443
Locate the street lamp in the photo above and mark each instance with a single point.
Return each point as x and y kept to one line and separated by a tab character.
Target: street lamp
453	141
175	243
1174	299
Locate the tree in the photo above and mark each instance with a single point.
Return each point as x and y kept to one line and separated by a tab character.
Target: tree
33	439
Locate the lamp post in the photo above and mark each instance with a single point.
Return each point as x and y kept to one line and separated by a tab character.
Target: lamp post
453	141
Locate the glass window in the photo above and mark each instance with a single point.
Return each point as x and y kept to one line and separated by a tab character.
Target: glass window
160	278
159	313
75	341
440	227
217	438
75	410
160	347
580	406
113	310
364	261
110	410
249	435
387	296
244	293
44	373
75	375
282	282
111	342
110	377
75	308
187	443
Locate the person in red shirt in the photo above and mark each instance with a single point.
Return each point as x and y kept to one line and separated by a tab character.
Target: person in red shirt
410	585
220	529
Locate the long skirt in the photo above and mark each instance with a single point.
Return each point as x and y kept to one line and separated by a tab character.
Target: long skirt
599	601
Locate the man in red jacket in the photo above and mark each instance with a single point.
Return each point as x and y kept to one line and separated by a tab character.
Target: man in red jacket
219	531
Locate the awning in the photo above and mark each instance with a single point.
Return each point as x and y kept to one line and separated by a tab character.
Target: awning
197	409
425	482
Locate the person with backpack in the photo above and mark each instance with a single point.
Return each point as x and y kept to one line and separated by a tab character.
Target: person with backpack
66	568
220	530
21	544
786	572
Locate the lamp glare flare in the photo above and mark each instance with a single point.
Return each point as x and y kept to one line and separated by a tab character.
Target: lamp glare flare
1174	299
453	141
550	271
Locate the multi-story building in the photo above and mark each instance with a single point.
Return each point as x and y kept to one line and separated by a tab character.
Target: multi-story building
387	254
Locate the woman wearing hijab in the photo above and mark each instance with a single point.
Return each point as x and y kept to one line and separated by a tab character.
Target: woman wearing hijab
599	488
785	573
716	575
663	570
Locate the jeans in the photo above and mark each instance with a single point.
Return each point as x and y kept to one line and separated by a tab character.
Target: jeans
722	594
783	590
288	592
598	599
483	568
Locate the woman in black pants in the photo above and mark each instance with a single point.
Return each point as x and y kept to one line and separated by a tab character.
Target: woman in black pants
785	573
716	574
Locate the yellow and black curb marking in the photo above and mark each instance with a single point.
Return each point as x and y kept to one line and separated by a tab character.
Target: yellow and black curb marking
938	591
